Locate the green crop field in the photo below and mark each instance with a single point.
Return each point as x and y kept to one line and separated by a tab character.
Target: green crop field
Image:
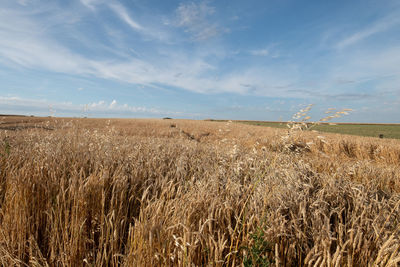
373	130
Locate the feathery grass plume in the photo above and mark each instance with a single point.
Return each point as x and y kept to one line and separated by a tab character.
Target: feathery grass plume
301	122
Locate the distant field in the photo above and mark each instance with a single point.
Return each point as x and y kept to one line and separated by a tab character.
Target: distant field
372	130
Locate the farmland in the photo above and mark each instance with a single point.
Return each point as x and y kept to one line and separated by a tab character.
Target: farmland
371	130
151	192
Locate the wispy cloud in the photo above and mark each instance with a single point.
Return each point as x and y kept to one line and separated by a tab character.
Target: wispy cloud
375	70
188	14
260	52
91	4
22	44
25	44
123	14
23	2
269	50
375	28
195	18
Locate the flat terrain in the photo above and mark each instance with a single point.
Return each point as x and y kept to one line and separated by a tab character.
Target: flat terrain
372	130
152	192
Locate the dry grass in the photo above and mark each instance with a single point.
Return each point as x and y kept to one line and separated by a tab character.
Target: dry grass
188	193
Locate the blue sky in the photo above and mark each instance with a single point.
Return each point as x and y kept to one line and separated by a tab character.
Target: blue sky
256	60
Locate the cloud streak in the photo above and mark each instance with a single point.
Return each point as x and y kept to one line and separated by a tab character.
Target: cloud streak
123	15
91	4
376	28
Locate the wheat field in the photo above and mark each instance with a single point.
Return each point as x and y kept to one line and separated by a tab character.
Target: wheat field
131	192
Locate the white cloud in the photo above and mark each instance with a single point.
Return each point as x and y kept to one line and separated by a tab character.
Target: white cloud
151	31
191	13
260	52
177	70
364	66
101	103
123	14
378	27
195	19
17	105
23	2
91	4
24	44
102	106
113	104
